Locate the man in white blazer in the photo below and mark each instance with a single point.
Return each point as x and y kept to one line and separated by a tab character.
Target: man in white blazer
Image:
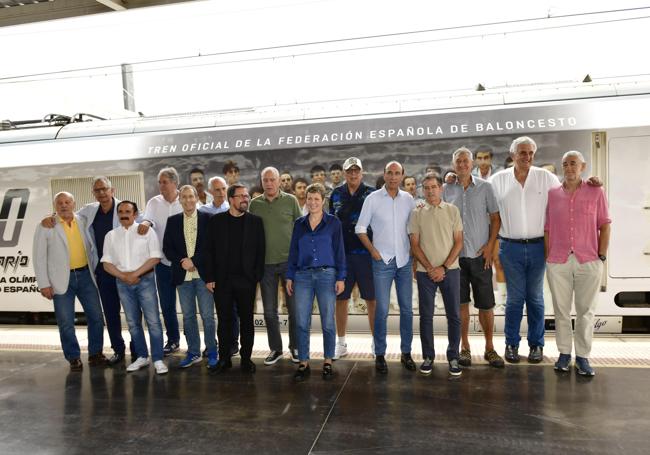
62	257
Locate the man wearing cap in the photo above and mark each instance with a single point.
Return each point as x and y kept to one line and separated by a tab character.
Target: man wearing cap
346	202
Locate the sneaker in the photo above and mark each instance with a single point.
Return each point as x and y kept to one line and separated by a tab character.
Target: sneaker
536	354
493	359
427	366
465	358
76	365
340	351
139	363
512	354
213	358
562	363
293	355
273	357
170	348
328	372
583	368
454	368
189	360
161	368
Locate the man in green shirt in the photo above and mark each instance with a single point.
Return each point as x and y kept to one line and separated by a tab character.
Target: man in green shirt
278	211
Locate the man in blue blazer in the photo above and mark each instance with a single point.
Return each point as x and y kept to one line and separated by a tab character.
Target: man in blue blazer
184	245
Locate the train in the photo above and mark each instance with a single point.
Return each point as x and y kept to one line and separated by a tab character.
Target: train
37	159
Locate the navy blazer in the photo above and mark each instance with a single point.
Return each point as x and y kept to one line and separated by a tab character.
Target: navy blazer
217	249
174	245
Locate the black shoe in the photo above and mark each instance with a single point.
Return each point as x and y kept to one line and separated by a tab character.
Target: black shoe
222	366
234	351
170	348
76	365
301	373
408	362
247	366
536	354
116	358
328	373
512	354
381	365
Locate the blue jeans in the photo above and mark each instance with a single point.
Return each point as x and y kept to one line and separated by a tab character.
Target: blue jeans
321	283
524	265
167	294
141	299
450	289
189	293
81	285
383	277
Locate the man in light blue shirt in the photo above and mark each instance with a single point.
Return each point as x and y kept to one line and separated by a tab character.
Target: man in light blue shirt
217	187
387	211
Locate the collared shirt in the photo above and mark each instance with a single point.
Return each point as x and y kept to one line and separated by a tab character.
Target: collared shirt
208	200
210	209
347	208
190	224
476	172
475	204
435	225
76	246
157	211
389	219
278	216
321	247
523	209
573	221
127	250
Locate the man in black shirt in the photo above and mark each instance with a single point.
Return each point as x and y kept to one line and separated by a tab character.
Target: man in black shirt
235	264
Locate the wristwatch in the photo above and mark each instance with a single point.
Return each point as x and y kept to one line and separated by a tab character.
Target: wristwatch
602	257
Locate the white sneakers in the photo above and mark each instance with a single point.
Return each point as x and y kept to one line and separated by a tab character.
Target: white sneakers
141	362
160	367
341	350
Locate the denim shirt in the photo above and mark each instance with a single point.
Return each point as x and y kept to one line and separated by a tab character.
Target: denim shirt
322	247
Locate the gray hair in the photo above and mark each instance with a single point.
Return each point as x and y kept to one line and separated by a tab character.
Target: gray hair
460	151
217	178
188	187
103	179
170	173
270	169
63	193
575	153
522	140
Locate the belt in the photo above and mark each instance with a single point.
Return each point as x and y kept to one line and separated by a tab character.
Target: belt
80	269
533	240
319	267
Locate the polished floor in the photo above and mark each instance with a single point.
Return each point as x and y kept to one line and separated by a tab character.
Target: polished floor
527	409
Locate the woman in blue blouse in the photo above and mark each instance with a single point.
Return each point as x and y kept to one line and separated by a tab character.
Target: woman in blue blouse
316	267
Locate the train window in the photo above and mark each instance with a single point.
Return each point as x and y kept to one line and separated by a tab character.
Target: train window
633	299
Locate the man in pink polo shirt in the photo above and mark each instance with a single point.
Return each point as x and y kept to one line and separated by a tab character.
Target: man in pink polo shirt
576	236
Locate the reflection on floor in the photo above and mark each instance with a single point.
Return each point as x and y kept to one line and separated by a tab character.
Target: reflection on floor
520	409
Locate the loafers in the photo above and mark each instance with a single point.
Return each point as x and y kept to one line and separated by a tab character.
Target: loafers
380	364
247	366
222	366
408	362
512	354
536	354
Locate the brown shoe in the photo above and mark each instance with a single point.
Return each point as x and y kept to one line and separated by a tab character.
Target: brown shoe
97	360
493	359
465	358
76	365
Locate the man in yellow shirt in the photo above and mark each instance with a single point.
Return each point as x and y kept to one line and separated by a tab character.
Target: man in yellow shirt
61	258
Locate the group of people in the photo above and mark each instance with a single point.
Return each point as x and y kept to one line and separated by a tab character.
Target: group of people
214	252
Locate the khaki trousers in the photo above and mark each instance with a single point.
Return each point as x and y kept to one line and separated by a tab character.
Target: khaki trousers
577	283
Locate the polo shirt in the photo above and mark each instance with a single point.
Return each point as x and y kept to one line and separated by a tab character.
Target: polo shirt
76	246
573	222
475	204
278	216
523	209
435	225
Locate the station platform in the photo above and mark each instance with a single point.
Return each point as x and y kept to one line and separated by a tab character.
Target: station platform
522	408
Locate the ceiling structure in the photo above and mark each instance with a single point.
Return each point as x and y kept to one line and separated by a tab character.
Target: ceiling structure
16	12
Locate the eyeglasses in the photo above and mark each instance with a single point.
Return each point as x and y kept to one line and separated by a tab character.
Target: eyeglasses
100	190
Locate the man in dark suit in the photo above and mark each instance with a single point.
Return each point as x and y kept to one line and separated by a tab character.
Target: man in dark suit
234	266
184	245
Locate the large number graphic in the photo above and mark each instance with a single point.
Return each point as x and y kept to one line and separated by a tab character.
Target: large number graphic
15	193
